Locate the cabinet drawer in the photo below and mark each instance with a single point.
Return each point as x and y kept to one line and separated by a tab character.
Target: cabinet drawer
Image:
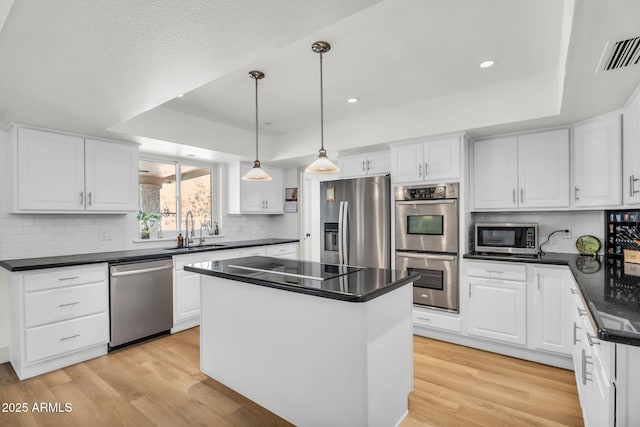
53	278
65	303
278	250
257	251
64	337
436	320
497	270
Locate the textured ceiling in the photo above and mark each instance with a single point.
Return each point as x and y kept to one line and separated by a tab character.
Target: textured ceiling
116	67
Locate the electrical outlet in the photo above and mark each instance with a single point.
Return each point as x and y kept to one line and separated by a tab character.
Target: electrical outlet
567	234
106	234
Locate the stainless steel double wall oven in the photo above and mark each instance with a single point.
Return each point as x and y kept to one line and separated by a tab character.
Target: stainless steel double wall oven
427	242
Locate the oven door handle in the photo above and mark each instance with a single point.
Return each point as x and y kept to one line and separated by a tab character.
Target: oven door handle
426	202
437	257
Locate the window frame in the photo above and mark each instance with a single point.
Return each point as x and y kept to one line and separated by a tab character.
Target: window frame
178	163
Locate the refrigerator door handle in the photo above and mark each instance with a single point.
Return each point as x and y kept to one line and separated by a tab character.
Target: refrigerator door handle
340	232
345	232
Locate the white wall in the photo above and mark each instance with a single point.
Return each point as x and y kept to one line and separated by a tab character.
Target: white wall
580	223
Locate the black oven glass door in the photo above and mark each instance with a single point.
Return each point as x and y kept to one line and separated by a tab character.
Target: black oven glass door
428	225
429	279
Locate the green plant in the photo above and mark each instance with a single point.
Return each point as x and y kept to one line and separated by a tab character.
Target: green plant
147	220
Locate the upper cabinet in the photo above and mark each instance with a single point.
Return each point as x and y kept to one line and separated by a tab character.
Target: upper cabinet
56	172
524	171
364	165
254	197
432	160
631	150
597	150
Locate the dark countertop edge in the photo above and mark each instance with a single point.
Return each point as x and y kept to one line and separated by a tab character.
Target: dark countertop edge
304	290
109	257
615	336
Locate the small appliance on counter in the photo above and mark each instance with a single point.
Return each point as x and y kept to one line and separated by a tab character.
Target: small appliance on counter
507	238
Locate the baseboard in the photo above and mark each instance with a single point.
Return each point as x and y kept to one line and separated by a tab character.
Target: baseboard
4	354
551	359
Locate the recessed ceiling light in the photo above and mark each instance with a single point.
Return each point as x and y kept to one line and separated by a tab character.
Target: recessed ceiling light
353	100
487	64
180	96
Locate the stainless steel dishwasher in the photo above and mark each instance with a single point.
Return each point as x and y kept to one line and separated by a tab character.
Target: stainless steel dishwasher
141	300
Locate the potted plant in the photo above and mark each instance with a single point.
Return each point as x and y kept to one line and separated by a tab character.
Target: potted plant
147	221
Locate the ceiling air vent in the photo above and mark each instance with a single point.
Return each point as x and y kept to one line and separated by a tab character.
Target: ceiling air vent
623	53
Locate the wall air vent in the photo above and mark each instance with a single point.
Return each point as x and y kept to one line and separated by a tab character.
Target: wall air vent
620	54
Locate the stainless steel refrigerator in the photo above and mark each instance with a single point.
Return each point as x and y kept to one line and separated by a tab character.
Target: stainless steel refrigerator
355	219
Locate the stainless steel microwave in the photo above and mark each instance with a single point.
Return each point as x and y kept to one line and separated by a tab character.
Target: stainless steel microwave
509	238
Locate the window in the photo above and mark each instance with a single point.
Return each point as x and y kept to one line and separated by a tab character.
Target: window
171	194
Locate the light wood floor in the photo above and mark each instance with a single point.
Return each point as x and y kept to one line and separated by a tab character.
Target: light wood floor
159	383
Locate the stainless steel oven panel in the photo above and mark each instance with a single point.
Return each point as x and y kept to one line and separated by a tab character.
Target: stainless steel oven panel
446	208
438	284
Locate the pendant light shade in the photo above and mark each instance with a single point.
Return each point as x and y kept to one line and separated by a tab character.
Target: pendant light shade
256	173
322	163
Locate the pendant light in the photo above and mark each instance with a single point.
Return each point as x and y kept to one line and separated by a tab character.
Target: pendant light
256	173
322	163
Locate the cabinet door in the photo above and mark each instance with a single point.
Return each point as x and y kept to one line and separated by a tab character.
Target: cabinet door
50	172
552	320
273	191
353	166
497	310
631	150
543	169
252	192
111	171
602	407
597	161
442	159
378	163
495	173
187	295
406	162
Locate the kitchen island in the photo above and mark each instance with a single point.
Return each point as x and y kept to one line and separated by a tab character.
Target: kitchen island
317	344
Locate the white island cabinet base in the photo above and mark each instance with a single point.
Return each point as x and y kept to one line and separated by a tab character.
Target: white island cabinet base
313	361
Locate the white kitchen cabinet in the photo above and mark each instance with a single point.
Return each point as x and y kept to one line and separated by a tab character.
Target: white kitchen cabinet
58	317
186	287
597	150
495	173
61	173
631	152
254	251
524	171
551	322
365	165
254	197
285	250
432	160
497	310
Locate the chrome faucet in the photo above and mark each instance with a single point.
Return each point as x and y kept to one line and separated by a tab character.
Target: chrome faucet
187	237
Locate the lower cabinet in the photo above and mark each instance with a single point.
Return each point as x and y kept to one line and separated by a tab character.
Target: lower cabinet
186	287
58	317
497	310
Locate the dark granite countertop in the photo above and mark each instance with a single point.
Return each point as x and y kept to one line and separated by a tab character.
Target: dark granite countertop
352	284
130	255
609	287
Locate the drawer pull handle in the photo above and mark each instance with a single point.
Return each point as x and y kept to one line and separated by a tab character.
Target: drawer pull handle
424	318
69	304
575	335
581	312
591	341
573	291
69	278
70	337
